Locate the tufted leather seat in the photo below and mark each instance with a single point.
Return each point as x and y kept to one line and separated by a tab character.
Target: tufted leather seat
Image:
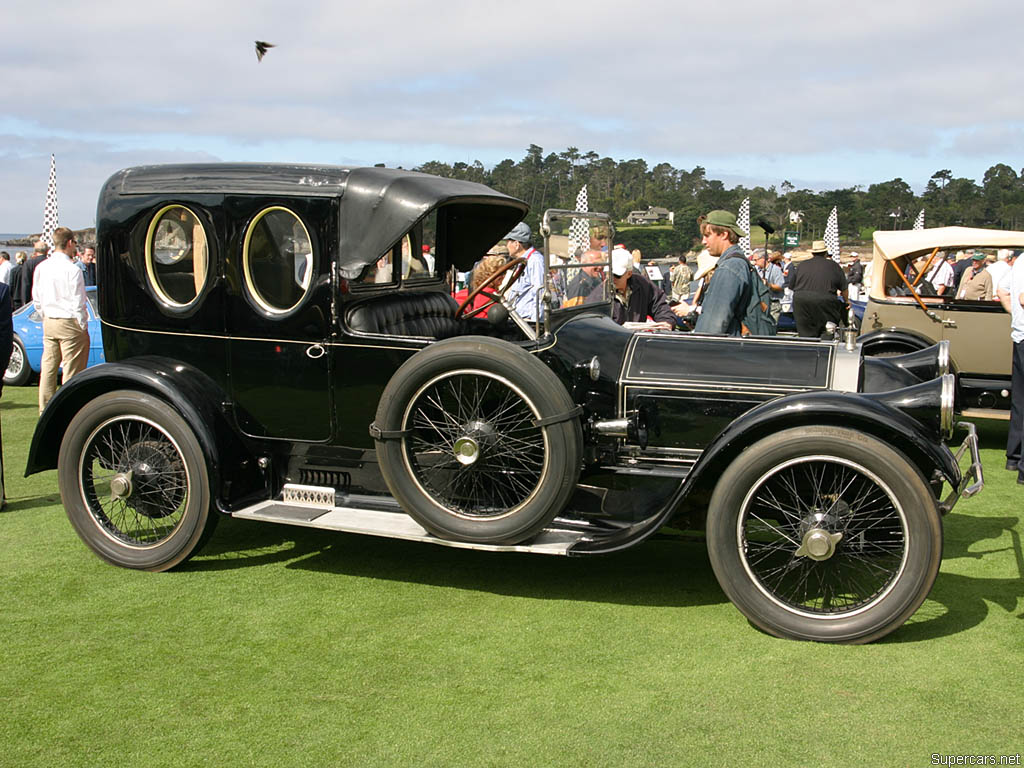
430	314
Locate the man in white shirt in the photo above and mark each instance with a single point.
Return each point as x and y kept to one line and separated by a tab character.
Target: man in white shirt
941	277
1010	292
5	268
1000	267
58	293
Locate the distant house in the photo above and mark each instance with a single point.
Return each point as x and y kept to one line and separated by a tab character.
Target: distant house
653	215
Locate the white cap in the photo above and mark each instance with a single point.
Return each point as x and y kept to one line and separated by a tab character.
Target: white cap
622	262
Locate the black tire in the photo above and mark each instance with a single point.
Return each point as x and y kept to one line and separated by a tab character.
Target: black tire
18	372
469	463
134	482
771	530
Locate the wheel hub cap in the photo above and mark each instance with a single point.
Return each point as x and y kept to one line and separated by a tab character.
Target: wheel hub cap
818	544
121	485
467	450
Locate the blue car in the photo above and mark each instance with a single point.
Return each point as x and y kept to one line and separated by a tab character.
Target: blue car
27	353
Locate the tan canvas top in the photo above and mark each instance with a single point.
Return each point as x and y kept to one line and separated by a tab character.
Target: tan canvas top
891	244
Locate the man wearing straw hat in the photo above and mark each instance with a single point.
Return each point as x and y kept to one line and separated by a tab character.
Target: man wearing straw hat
817	284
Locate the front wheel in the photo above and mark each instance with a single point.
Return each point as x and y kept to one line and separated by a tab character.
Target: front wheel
826	534
134	482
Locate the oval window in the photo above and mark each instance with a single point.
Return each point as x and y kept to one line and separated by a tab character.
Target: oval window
177	255
278	260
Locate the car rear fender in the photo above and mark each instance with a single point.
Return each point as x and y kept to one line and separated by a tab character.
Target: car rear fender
902	432
195	396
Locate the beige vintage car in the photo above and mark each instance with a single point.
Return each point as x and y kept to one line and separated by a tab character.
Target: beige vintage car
978	331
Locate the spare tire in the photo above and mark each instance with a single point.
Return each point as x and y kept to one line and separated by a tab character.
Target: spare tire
478	440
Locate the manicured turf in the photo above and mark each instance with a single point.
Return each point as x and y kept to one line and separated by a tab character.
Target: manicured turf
280	646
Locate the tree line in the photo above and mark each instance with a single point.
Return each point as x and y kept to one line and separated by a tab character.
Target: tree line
552	180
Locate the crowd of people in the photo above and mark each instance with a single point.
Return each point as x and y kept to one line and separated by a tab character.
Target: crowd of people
17	272
734	295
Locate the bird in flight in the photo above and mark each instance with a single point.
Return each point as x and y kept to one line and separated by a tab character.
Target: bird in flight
261	49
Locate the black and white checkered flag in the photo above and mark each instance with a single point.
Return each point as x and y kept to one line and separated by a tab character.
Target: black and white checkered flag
832	234
743	222
579	230
50	222
919	221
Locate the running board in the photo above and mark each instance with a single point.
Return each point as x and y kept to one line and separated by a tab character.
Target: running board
394	525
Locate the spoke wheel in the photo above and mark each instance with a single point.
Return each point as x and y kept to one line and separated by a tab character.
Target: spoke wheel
822	536
18	370
465	453
825	534
134	482
472	445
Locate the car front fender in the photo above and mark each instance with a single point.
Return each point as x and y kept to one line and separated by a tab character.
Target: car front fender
901	431
932	458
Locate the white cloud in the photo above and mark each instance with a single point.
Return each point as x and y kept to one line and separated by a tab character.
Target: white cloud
827	90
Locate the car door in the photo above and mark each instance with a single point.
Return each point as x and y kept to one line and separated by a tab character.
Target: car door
279	320
979	336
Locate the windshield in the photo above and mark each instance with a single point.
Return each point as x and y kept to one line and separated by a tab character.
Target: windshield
577	246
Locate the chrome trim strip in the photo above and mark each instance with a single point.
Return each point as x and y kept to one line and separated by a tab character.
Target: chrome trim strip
943	357
946	405
846	368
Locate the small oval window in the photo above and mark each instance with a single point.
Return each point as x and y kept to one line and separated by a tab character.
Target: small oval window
278	260
177	255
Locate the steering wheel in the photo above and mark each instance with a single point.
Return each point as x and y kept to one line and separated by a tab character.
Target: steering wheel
518	265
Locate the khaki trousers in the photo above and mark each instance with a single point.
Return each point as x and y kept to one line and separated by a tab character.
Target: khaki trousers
64	342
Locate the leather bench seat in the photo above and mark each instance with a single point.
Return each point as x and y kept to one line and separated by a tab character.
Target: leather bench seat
430	314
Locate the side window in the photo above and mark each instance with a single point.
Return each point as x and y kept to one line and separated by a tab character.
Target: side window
177	255
418	250
277	257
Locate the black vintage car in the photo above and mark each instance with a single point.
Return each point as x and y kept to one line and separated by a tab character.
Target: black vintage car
283	345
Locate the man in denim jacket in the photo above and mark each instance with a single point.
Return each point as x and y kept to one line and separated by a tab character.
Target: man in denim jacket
728	293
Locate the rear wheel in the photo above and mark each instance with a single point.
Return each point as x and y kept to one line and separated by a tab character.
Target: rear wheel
18	371
134	482
825	534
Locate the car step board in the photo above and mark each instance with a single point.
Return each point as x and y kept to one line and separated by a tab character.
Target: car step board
394	525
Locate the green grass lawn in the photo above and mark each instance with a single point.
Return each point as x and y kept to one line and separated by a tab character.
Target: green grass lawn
282	646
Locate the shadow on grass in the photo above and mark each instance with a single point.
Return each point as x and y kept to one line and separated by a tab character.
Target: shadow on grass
959	602
666	572
11	405
32	502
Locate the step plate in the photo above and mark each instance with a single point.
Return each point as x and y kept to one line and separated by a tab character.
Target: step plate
395	525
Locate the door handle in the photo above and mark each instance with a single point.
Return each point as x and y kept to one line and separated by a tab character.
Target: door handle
315	352
947	323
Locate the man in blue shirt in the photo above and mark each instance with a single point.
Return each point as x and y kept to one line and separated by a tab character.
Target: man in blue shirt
728	294
522	295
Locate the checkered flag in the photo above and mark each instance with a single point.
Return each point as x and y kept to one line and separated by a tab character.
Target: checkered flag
743	222
832	234
579	230
50	222
919	221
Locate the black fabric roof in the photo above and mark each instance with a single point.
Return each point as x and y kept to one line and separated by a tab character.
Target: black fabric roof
378	206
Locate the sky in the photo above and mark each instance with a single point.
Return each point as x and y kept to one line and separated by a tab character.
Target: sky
823	94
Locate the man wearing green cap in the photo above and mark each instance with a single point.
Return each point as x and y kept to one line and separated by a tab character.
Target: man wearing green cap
728	294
